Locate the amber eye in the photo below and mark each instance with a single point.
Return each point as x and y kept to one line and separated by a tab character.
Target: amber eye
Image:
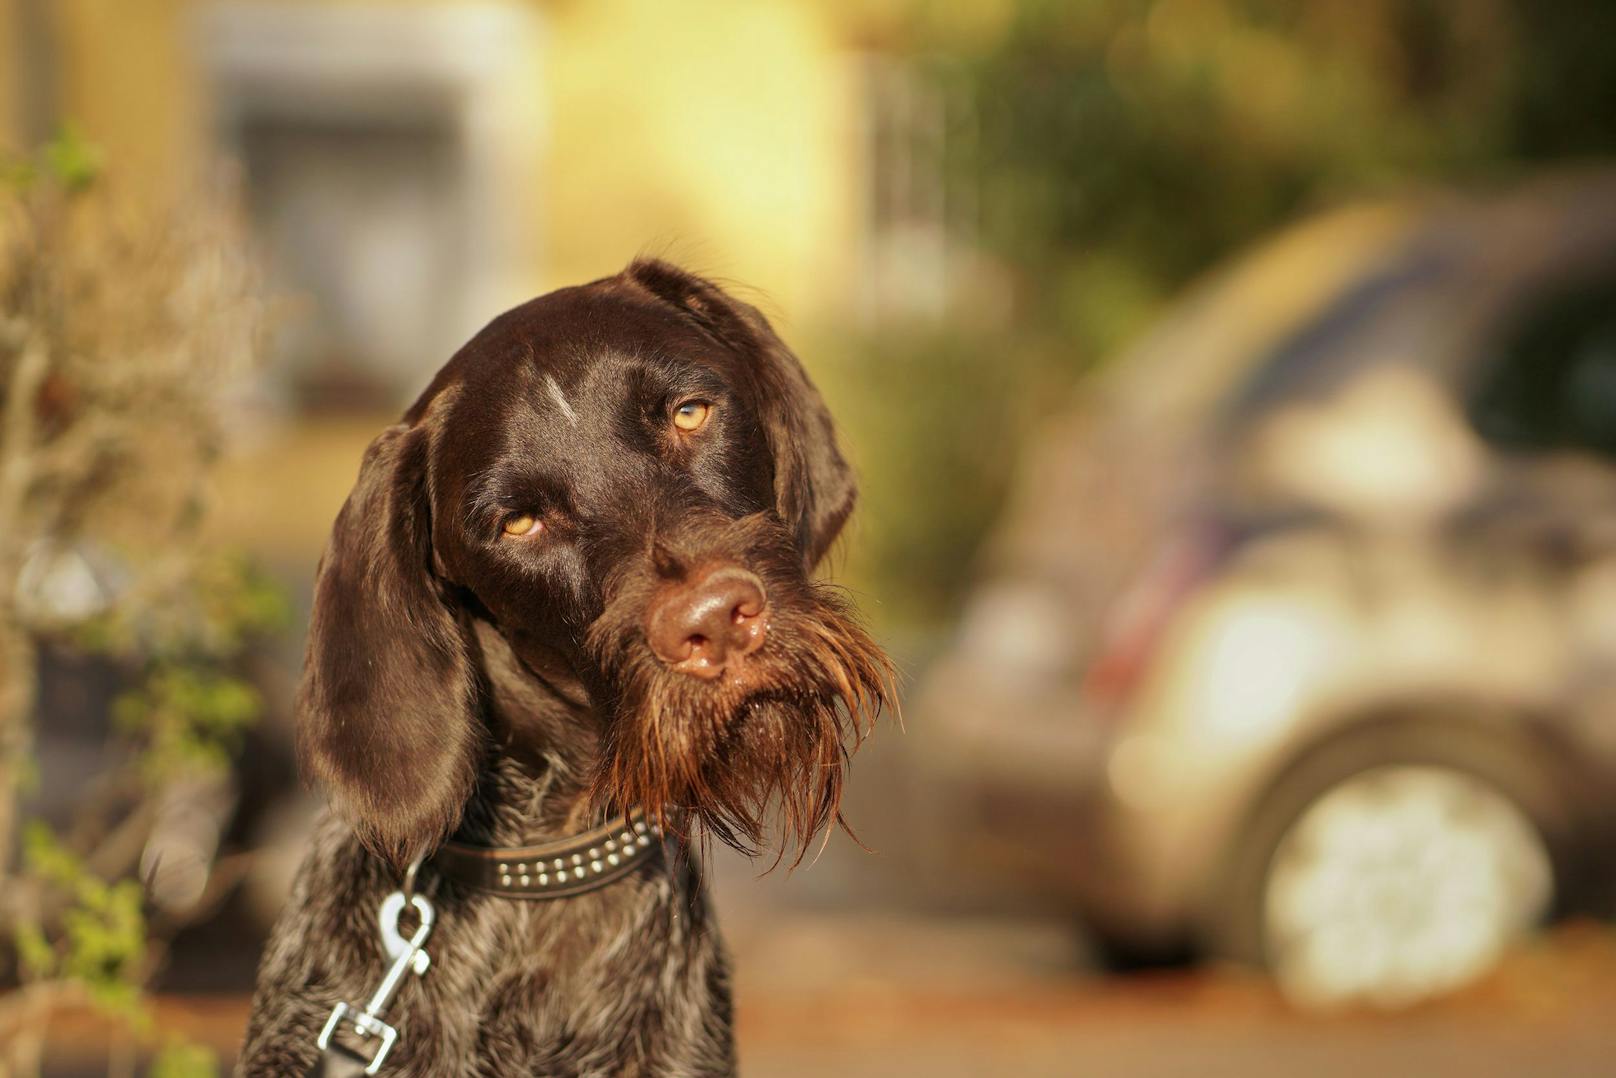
691	415
522	524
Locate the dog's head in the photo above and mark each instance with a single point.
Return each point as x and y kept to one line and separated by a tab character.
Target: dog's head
631	481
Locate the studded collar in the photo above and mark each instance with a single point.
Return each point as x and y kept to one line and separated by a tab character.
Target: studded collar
560	869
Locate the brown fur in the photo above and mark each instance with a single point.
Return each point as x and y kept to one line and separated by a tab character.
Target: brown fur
462	683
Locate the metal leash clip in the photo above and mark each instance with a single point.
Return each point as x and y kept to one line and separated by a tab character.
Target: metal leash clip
407	956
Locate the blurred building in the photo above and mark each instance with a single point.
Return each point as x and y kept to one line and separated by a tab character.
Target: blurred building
415	167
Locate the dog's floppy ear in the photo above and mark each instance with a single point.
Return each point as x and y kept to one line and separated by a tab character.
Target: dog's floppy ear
814	489
386	710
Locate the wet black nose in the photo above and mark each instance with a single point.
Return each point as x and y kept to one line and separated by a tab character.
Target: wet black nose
702	624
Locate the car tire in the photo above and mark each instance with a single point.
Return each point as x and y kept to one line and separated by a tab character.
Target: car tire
1114	952
1393	863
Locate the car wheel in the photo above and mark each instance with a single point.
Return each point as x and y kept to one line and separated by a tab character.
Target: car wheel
1389	883
1400	883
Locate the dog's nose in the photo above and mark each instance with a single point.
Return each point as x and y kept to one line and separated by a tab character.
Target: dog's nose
698	626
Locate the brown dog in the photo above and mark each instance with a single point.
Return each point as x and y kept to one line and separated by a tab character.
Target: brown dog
572	582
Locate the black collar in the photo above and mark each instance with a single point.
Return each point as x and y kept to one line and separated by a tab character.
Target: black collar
560	869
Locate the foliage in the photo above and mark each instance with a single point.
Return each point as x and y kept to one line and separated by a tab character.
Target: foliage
181	1060
931	429
120	340
1115	149
1125	145
102	942
193	717
188	710
68	161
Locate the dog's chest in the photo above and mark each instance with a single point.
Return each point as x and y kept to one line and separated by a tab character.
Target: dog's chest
617	983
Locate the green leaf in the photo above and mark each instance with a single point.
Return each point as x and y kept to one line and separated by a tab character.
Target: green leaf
34	952
183	1059
71	160
46	857
102	935
188	717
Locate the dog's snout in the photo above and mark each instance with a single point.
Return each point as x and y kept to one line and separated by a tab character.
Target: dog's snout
716	618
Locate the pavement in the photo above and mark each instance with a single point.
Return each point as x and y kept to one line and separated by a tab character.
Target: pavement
953	998
854	994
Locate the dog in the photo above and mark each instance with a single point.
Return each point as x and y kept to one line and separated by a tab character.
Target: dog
573	582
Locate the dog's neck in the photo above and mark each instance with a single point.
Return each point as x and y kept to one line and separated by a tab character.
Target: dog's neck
545	737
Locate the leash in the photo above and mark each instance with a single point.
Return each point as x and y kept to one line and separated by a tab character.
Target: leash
571	866
337	1060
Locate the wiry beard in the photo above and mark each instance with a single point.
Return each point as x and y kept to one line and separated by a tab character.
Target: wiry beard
739	759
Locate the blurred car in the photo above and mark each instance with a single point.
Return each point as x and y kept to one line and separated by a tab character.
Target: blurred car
1297	642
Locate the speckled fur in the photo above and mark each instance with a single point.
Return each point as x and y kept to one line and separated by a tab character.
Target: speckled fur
627	980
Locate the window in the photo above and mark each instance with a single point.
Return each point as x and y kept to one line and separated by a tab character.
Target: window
1553	383
389	159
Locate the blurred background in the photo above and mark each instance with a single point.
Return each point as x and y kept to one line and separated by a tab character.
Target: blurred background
1233	385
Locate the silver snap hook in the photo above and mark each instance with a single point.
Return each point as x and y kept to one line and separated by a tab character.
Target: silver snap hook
409	879
395	943
407	956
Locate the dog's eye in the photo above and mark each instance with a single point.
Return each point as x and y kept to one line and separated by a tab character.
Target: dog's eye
522	524
691	415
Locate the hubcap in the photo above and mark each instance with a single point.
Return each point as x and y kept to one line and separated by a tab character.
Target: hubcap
1400	883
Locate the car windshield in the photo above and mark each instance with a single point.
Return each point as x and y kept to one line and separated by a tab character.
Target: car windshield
1551	386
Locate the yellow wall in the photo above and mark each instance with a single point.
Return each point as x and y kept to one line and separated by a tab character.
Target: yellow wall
717	132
